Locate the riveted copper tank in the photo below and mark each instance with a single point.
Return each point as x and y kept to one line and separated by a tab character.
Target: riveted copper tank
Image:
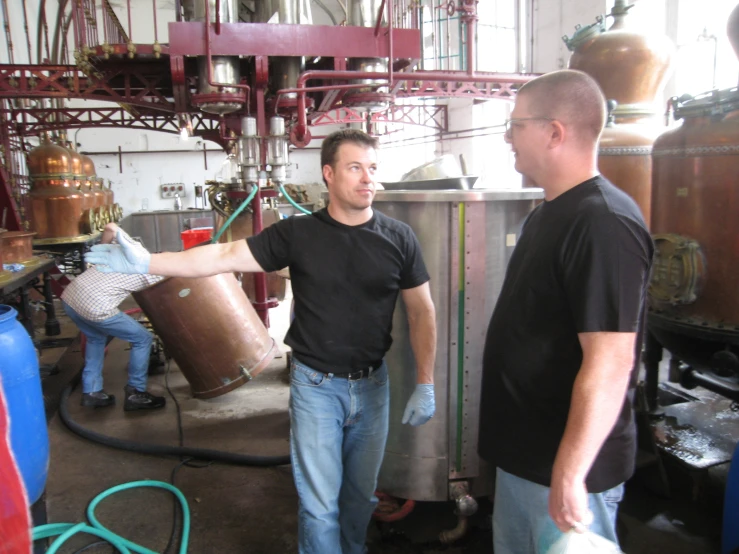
91	181
631	69
241	228
211	330
694	297
56	203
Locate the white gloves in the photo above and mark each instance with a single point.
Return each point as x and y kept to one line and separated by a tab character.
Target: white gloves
124	257
421	405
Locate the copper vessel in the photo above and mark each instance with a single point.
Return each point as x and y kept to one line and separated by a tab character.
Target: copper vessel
55	202
17	246
631	69
625	159
241	228
49	163
57	212
211	330
694	298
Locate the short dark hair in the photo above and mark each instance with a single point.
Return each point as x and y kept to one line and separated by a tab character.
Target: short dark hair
571	96
331	145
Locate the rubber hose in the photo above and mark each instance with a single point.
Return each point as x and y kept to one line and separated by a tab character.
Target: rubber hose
165	450
289	199
236	213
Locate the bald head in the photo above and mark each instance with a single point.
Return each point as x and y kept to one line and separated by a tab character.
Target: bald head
570	96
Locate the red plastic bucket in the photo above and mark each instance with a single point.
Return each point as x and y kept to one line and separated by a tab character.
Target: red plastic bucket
193	237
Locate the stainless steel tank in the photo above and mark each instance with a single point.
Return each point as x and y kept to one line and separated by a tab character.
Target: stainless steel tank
467	237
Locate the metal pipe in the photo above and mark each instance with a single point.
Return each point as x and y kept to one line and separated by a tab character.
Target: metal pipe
379	18
209	56
218	15
8	36
130	34
260	279
459	77
156	32
28	36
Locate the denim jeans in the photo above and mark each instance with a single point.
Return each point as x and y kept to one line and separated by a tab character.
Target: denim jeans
337	441
121	326
521	522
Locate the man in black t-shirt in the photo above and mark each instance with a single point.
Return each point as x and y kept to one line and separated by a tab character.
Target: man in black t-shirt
348	263
563	343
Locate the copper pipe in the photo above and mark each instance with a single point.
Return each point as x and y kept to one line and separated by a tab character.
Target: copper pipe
28	36
379	18
218	15
260	279
8	36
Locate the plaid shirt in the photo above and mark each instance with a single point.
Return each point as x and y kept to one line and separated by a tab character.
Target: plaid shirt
96	296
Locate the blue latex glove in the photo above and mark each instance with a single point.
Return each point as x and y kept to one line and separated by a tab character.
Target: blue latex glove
125	257
421	405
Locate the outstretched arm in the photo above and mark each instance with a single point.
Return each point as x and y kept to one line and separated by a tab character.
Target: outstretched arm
130	257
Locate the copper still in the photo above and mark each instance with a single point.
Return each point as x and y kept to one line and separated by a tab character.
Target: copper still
211	330
694	300
17	246
241	228
56	202
631	69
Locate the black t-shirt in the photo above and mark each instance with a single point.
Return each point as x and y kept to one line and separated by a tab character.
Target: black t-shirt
345	281
581	265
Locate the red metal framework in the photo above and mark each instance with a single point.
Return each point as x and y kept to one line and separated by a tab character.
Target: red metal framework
156	84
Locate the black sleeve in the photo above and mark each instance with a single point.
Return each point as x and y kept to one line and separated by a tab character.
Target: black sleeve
271	248
605	268
414	272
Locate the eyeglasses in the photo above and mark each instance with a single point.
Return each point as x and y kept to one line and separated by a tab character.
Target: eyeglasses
509	123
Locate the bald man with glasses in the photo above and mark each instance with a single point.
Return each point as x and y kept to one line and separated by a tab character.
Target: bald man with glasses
563	344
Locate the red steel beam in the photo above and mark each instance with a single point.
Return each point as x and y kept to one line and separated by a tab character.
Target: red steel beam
266	39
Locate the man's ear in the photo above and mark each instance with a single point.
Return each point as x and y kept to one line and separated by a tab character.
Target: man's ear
328	174
558	134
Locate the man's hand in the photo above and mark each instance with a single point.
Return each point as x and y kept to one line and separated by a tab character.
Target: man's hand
421	405
568	504
124	257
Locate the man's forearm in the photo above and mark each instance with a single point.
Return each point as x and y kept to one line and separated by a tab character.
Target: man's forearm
423	343
202	261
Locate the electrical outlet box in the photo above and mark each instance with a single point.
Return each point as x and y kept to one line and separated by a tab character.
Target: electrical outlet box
170	189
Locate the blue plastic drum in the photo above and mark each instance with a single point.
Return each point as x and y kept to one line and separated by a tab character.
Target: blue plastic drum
29	439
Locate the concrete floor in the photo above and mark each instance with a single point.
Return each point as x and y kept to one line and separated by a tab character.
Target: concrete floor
251	510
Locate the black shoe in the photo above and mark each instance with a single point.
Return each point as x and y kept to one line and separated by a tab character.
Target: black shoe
99	399
141	400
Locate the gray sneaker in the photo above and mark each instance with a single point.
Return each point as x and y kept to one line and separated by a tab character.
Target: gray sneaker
141	400
98	399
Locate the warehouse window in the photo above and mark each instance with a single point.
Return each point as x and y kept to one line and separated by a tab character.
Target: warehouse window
498	44
705	58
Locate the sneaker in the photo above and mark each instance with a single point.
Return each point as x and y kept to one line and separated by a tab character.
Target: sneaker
141	400
99	399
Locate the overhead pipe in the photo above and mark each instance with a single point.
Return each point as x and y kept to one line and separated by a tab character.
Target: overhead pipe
459	76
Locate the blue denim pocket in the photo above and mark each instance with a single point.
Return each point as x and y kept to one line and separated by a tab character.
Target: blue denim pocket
306	377
616	494
379	376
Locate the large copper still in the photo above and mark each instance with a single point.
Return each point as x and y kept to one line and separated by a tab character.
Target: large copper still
694	299
211	330
631	69
56	202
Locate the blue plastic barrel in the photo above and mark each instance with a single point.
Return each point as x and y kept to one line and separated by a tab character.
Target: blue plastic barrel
29	439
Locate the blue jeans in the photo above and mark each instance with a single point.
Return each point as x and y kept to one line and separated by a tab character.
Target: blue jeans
521	522
123	327
337	441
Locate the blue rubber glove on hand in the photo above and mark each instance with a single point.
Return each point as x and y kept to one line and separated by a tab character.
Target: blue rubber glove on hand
124	257
421	405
